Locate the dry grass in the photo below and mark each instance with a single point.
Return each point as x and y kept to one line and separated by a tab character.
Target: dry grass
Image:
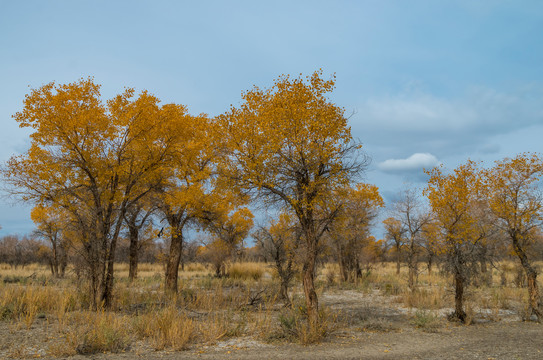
293	325
23	303
94	332
426	299
208	309
166	328
246	271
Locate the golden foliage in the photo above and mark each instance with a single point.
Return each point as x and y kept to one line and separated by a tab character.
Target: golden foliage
453	198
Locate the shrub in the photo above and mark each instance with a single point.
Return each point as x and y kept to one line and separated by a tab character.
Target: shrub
425	320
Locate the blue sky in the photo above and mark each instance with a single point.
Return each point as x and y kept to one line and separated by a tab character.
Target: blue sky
429	82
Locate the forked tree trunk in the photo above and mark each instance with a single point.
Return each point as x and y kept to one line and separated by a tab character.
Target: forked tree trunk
109	259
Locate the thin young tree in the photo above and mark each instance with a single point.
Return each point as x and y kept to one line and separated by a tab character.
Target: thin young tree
410	212
49	226
394	232
279	243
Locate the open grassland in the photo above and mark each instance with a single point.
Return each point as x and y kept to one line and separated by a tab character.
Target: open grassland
42	316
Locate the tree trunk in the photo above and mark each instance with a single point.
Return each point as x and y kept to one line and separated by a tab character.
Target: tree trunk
398	259
54	260
358	269
93	253
133	254
531	275
172	268
95	285
63	260
285	274
412	264
284	291
311	300
459	297
485	274
342	266
109	259
107	289
535	299
51	267
411	277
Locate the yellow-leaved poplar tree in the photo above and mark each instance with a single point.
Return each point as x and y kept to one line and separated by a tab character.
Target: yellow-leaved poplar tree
292	146
350	230
452	198
186	190
93	160
516	201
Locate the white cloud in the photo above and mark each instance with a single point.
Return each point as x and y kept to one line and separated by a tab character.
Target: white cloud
415	162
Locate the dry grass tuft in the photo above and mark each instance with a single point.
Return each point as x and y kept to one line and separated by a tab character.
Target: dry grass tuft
428	299
246	271
96	332
166	328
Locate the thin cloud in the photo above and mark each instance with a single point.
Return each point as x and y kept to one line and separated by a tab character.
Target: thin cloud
415	162
445	126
